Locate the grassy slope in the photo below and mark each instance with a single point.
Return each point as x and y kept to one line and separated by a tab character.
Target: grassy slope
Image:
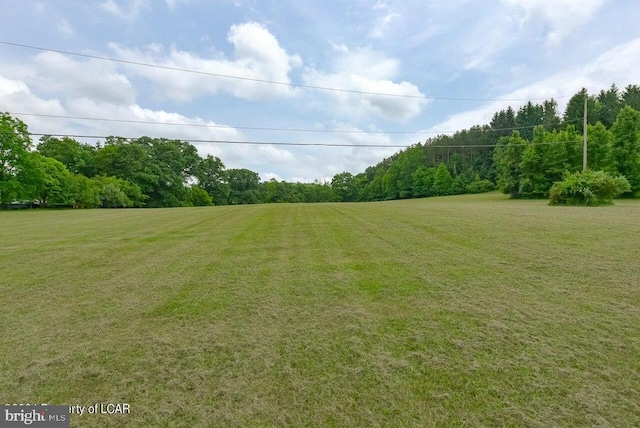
472	310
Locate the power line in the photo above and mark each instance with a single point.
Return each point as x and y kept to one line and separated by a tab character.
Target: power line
266	143
272	82
255	128
199	125
281	143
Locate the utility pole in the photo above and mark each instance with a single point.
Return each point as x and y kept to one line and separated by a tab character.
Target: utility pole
584	147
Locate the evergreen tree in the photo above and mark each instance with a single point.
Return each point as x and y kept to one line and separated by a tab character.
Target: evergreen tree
631	97
503	123
529	116
610	104
551	117
574	113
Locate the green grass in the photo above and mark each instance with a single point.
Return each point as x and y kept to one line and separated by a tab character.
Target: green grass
458	311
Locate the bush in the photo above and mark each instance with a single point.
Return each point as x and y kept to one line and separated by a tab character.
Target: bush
480	186
199	197
112	197
589	188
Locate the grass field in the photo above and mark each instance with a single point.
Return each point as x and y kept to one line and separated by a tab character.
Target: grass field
458	311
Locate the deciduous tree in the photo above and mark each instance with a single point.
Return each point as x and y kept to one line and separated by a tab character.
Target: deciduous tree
626	145
244	186
46	179
15	143
442	181
210	175
342	185
76	157
199	197
508	157
600	149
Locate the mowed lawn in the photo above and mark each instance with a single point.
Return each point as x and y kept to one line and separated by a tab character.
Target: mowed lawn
457	311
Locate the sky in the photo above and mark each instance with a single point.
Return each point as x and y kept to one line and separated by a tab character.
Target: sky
321	76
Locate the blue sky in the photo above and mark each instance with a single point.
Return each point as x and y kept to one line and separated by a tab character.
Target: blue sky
453	63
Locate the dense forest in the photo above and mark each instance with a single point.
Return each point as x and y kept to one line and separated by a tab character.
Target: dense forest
520	152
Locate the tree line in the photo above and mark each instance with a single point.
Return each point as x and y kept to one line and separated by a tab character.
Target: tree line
145	172
521	152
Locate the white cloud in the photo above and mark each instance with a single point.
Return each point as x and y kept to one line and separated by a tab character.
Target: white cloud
304	164
367	63
311	163
256	158
10	87
268	176
482	39
382	23
124	120
258	57
388	17
562	16
59	74
17	97
133	122
274	154
172	4
129	12
65	28
463	48
485	40
381	5
367	71
127	120
334	160
339	47
79	89
617	65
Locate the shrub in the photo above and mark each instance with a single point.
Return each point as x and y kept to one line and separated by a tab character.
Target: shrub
199	197
112	197
589	188
480	186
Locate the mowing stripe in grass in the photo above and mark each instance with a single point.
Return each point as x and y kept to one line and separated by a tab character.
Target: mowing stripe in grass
471	310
